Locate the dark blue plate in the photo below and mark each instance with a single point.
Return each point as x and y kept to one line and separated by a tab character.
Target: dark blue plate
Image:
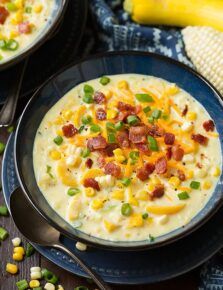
94	67
137	267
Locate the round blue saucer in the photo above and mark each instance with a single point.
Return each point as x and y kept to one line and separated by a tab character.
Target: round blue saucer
130	267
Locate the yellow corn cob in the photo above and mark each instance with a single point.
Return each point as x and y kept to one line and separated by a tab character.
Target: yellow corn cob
177	13
204	46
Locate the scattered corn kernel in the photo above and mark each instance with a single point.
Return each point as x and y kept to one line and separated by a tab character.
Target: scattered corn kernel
151	186
38	8
19	3
163	219
19	250
13	34
55	155
191	116
118	194
17	257
58	121
119	156
34	283
16	241
67	114
174	181
97	204
108	94
142	195
136	220
207	184
111	114
216	171
11	268
81	246
190	174
89	191
18	18
59	132
171	90
110	227
123	85
155	180
49	286
133	201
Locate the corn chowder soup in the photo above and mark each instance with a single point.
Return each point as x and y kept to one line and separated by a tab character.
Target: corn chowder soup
20	23
127	157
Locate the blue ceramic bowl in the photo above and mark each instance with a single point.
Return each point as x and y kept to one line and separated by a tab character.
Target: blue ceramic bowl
110	64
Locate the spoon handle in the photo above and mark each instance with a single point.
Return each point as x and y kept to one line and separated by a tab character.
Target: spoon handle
95	277
8	111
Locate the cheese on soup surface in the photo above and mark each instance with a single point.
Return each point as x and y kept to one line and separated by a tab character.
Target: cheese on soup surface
21	21
127	157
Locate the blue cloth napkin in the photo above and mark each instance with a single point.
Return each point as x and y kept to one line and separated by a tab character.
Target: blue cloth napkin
116	31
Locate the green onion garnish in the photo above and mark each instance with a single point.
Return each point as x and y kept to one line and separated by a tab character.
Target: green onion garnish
126	181
11	7
28	9
144	98
95	128
150	119
87	98
81	128
126	209
58	140
147	109
12	45
110	126
49	276
3	234
145	215
151	238
132	120
195	184
3	210
30	250
48	171
86	119
86	152
2	44
2	147
88	89
153	146
73	191
22	285
104	80
183	195
111	138
134	155
119	126
165	117
156	114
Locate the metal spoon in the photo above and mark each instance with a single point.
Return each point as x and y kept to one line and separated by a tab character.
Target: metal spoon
38	231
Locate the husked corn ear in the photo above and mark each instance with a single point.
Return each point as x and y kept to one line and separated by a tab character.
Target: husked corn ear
204	46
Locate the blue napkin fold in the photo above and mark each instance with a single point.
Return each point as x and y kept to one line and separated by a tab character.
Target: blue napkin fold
116	31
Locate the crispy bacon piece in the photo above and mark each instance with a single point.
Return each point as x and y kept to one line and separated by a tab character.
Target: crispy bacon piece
126	107
99	98
161	165
157	192
144	172
138	134
123	115
91	182
101	161
138	109
123	139
143	148
199	139
96	143
185	110
3	14
156	131
24	27
112	169
108	151
181	175
208	125
69	130
168	153
169	138
89	163
101	114
177	153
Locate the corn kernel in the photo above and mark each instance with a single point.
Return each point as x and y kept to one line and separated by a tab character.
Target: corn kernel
58	121
110	227
108	94
133	201
151	186
19	250
174	181
118	194
123	85
119	157
11	268
19	3
216	171
111	114
38	8
136	220
155	180
190	174
142	195
13	34
35	275
89	191
18	18
55	155
171	90
207	184
191	116
17	257
34	283
49	286
67	114
97	204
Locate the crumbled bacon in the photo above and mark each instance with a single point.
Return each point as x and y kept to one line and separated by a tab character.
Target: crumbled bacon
157	192
101	161
123	138
199	165
126	107
3	14
24	27
199	139
89	163
122	116
185	110
156	131
108	151
99	98
168	153
144	172
177	153
161	165
208	125
69	130
181	175
112	169
169	138
101	114
138	134
96	143
91	182
143	148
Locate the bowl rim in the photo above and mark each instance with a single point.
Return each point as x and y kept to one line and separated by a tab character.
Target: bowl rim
35	45
114	247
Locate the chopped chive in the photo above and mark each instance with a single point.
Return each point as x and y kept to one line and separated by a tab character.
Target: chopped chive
3	234
12	45
86	152
156	114
104	80
144	98
151	238
10	129
87	98
126	181
195	184
81	129
183	195
3	44
132	120
134	155
22	285
110	126
153	146
145	215
2	147
86	119
73	191
151	120
3	210
147	109
58	140
126	209
111	138
30	250
48	171
28	9
88	89
165	117
119	126
49	276
95	128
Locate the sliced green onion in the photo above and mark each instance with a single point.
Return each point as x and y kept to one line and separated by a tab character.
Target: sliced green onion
28	9
87	98
104	80
195	184
10	129
3	210
22	285
119	126
95	128
73	191
126	181
156	114
2	147
81	129
165	116
12	45
183	195
86	152
147	109
86	119
58	140
132	120
11	7
2	44
111	138
110	126
153	146
126	209
30	250
151	120
151	238
3	234
49	276
88	89
48	171
145	215
134	155
144	98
